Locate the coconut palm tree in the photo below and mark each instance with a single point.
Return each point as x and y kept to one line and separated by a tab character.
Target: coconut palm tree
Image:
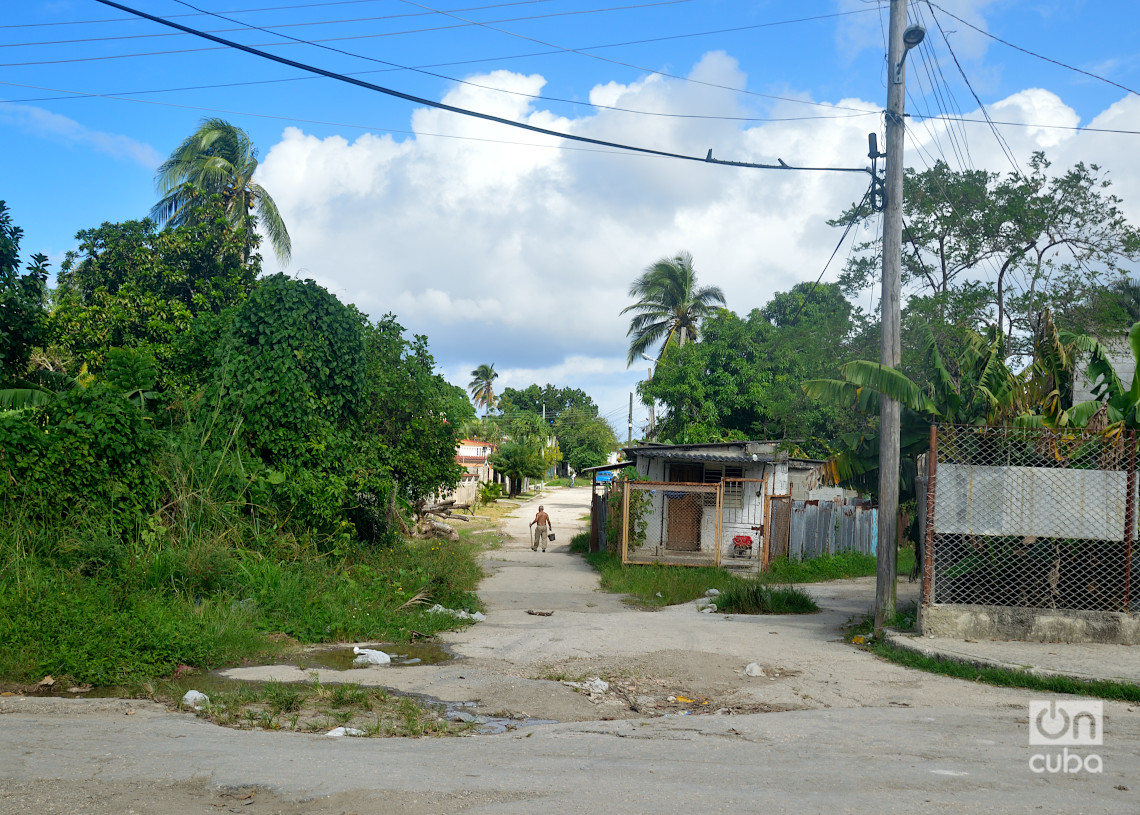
482	388
669	305
218	159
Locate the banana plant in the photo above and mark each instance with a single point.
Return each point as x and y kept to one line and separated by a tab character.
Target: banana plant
984	391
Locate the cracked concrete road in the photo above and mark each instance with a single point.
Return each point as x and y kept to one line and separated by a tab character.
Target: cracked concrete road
847	732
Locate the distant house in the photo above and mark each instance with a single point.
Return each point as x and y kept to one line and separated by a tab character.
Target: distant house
713	463
473	456
744	501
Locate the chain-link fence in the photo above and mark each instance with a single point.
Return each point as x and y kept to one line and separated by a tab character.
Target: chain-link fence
1030	518
670	523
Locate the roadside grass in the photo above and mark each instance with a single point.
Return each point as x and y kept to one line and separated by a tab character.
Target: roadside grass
82	603
679	584
859	632
753	597
558	482
657	585
580	543
1006	678
831	567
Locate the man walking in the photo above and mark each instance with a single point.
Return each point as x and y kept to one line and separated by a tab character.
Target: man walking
542	526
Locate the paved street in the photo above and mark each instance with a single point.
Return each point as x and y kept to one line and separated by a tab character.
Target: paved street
851	733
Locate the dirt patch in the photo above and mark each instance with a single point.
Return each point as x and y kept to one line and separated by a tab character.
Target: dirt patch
669	683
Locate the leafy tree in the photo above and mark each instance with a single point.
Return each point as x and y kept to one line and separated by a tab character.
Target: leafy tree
743	379
292	367
218	159
482	386
518	460
163	293
980	389
1024	241
546	400
409	415
669	305
585	438
22	301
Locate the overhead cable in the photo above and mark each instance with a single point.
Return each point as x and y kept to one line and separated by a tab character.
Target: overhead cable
267	8
310	23
985	33
464	111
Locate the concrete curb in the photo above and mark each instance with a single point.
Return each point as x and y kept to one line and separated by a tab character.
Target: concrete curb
915	644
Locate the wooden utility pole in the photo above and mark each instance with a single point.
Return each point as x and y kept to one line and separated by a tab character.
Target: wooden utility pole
889	348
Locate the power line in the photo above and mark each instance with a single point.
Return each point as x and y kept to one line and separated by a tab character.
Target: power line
1027	51
1005	148
1076	128
585	52
397	66
219	14
268	8
416	133
555	50
464	111
850	223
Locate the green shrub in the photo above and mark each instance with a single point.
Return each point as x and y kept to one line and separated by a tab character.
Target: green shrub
87	447
580	543
753	597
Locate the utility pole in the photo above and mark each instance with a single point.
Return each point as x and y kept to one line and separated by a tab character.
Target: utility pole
629	436
900	40
652	418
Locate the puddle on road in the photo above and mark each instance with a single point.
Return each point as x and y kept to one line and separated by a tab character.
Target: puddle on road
337	658
340	658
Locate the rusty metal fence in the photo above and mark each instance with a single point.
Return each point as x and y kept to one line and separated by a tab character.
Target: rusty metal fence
1030	518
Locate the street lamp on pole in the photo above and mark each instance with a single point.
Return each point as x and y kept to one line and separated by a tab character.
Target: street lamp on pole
652	405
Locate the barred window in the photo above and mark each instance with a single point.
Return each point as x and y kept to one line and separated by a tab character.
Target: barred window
733	492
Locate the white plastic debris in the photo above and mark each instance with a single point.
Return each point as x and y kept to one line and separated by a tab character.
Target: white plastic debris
709	609
712	593
659	594
368	656
754	669
195	699
337	732
595	684
477	616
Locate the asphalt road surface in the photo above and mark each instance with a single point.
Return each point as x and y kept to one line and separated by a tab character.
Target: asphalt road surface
836	730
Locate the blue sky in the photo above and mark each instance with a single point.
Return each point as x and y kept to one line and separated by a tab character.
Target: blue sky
503	246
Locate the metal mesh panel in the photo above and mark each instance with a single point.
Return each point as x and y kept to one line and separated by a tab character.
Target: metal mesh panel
670	523
1031	518
742	523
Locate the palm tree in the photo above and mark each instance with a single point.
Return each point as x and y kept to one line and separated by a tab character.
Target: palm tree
482	387
669	305
218	159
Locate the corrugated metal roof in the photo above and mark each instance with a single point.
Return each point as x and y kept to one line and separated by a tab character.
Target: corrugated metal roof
690	455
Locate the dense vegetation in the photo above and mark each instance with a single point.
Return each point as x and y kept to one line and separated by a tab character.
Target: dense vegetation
193	456
1016	287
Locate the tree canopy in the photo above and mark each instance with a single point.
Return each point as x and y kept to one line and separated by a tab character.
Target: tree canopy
669	305
742	380
218	159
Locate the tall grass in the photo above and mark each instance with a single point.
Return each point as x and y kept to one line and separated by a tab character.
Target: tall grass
753	597
202	580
